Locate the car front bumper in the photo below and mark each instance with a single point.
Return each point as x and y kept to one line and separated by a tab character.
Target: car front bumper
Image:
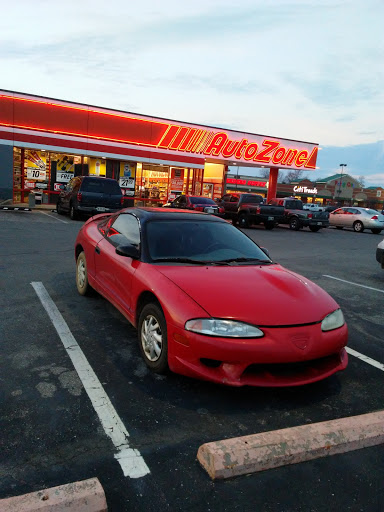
289	356
95	210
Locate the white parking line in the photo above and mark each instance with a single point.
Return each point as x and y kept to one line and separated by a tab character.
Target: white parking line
354	284
366	359
130	460
52	217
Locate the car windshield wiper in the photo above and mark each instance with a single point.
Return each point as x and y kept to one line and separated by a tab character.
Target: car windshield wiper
181	260
244	260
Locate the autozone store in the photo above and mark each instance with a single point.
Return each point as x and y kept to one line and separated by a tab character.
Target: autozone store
44	142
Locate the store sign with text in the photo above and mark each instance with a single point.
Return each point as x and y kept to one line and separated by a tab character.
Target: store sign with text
64	177
36	164
304	190
249	183
177	179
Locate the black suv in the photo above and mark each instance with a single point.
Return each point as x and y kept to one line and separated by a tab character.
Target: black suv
89	195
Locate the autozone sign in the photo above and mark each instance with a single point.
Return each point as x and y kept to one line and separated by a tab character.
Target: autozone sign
262	150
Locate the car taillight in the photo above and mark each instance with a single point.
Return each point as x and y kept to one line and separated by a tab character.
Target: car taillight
79	195
258	209
221	210
310	215
199	208
122	201
375	217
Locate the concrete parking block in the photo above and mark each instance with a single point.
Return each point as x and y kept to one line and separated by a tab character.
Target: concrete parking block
258	452
83	496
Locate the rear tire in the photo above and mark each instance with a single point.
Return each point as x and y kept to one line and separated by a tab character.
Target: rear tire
59	209
294	224
243	221
376	231
152	333
358	227
73	213
269	225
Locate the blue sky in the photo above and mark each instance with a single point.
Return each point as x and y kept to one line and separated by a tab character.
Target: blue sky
306	70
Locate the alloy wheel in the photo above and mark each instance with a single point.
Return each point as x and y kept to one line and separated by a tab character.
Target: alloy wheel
151	338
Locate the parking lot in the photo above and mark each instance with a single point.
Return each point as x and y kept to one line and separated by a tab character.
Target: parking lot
52	434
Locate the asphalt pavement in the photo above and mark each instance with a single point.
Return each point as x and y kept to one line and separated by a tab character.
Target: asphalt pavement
52	435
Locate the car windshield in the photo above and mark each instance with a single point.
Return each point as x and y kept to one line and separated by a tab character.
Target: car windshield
190	241
201	200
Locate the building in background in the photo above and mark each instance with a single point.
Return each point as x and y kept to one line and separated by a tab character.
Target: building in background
44	142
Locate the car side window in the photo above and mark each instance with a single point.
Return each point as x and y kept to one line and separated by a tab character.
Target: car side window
126	226
234	199
226	198
182	201
176	201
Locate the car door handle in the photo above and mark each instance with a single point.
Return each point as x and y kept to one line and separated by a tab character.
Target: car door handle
97	249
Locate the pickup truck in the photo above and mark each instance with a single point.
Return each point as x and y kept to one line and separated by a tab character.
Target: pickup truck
248	209
296	217
314	207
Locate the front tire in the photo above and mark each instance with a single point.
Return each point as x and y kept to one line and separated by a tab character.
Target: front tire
152	333
358	226
314	228
83	286
294	224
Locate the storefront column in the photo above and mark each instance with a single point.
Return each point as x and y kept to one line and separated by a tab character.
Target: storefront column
272	184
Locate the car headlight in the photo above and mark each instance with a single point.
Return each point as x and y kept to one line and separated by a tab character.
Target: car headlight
223	328
333	321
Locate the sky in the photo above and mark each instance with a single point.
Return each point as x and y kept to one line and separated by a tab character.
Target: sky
310	70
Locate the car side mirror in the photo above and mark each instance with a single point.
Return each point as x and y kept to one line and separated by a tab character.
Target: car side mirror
128	250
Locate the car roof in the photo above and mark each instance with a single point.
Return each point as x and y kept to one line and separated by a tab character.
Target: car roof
149	213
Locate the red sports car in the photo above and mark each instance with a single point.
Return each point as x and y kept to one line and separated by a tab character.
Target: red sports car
207	301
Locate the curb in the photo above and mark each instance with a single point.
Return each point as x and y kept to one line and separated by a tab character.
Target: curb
15	208
258	452
84	496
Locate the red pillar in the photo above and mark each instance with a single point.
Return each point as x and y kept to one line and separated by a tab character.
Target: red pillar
272	184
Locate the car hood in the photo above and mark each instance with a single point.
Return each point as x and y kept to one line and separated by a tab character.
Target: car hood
268	295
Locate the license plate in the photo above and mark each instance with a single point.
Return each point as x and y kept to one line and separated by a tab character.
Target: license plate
319	223
101	209
271	218
209	210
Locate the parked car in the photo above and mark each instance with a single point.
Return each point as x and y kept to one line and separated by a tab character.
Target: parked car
314	207
248	209
89	195
207	301
380	253
357	218
197	203
331	208
296	217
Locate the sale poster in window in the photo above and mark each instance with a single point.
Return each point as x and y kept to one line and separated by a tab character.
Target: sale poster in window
36	165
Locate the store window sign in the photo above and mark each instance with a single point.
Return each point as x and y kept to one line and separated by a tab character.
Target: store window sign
36	165
177	179
125	182
305	190
64	177
249	183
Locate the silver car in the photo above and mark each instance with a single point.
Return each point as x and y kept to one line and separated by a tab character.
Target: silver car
357	218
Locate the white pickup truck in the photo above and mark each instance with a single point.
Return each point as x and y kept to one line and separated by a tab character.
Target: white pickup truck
314	207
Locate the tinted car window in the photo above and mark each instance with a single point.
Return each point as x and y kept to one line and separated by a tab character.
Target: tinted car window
294	205
201	200
203	241
252	199
101	186
127	226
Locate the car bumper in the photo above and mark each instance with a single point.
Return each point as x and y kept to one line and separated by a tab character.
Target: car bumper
95	210
283	357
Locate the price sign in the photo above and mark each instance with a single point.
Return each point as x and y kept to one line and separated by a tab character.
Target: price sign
127	182
36	174
64	177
